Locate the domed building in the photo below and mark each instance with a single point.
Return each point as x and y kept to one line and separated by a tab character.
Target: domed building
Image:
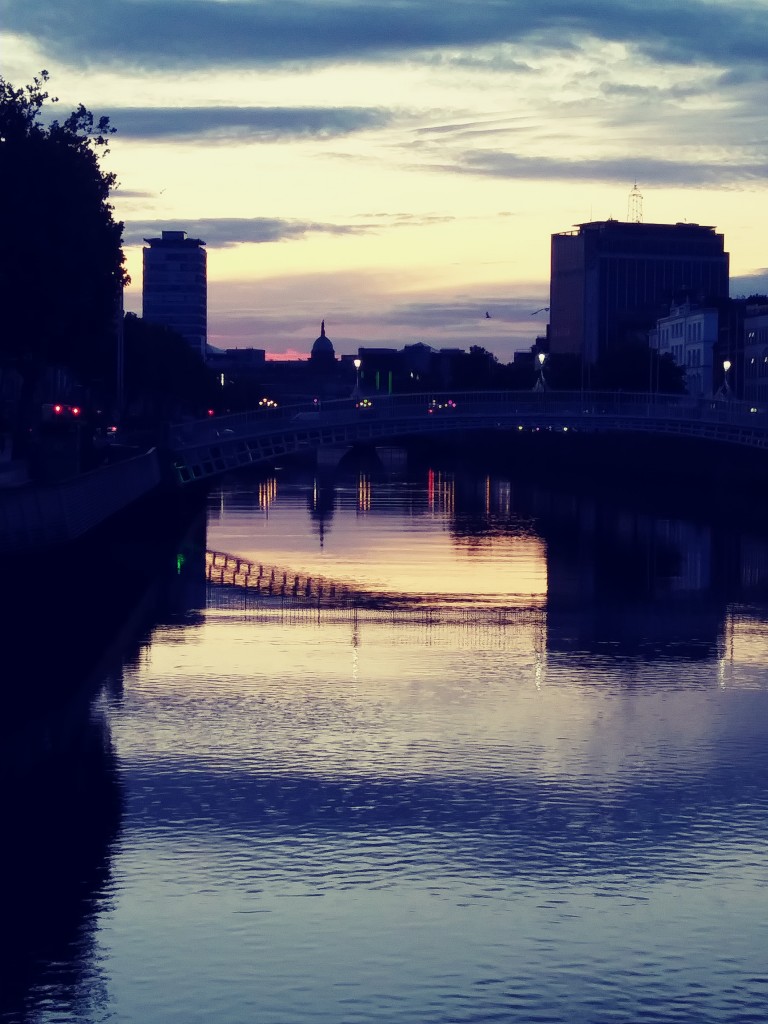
323	355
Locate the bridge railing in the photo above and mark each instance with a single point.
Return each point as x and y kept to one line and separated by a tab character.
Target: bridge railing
574	405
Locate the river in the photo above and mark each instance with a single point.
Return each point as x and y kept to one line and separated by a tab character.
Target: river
516	770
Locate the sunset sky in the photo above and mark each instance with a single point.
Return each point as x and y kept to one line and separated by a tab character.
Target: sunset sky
397	168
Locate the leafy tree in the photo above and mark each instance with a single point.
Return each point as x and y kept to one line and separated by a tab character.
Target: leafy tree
637	367
164	378
478	369
61	258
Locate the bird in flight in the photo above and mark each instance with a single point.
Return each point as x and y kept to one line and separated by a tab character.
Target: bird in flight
544	309
487	315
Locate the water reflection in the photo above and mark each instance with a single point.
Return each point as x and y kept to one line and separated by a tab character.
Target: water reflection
534	787
615	579
321	504
62	808
94	609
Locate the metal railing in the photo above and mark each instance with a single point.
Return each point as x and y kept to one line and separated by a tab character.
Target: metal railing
205	447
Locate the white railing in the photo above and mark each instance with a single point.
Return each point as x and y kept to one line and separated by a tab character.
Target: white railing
438	409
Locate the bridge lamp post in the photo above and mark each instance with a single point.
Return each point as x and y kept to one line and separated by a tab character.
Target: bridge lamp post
357	363
726	386
541	384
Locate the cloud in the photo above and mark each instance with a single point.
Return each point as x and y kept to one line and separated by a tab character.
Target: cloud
239	33
223	232
464	314
364	308
132	193
750	284
243	124
617	169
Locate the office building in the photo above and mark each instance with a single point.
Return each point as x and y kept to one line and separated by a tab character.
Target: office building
175	290
611	280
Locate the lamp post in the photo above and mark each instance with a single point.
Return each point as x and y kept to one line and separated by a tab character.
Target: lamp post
357	363
726	386
541	384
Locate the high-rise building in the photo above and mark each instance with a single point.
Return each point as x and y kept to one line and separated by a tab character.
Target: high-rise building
175	292
611	280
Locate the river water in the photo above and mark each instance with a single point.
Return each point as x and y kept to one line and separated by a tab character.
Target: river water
516	771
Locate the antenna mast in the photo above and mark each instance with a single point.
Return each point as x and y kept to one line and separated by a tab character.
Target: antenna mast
635	206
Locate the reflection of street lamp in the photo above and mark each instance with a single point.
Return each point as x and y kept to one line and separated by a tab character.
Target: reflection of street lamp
357	363
541	384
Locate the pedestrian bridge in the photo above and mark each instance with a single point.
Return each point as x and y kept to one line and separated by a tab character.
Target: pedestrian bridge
205	448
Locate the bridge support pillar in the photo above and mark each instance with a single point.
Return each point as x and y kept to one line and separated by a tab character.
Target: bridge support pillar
329	456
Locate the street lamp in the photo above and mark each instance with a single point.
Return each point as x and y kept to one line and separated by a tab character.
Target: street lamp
357	363
541	384
726	368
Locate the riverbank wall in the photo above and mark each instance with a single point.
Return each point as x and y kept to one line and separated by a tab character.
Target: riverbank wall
34	518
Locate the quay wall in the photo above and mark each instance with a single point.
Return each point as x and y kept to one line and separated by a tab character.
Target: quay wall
33	518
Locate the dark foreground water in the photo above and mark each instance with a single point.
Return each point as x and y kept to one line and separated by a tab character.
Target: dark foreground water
531	784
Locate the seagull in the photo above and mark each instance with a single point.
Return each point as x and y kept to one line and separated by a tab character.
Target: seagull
487	315
544	309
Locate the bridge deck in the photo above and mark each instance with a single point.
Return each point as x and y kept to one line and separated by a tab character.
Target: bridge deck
208	447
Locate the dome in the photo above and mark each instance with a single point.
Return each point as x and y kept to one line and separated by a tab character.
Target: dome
323	346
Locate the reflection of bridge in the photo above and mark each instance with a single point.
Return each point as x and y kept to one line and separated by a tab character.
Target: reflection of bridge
275	581
206	448
284	588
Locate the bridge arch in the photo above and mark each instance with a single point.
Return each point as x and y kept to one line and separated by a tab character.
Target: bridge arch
206	448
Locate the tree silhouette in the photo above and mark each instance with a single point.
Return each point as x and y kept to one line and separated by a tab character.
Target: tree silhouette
61	258
164	377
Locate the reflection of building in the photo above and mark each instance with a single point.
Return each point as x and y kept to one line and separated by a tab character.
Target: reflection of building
175	286
610	280
633	586
321	503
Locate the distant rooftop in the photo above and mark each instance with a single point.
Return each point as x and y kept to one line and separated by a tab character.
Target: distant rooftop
174	238
639	227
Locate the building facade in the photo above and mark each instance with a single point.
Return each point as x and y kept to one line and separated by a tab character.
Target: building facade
175	289
689	334
611	280
322	356
756	355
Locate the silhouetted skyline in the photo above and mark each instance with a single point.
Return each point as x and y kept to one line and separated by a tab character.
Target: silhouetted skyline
400	170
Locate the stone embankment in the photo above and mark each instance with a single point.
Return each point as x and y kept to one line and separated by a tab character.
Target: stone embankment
36	517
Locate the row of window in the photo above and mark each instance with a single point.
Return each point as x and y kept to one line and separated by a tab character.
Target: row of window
756	366
692	330
633	283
